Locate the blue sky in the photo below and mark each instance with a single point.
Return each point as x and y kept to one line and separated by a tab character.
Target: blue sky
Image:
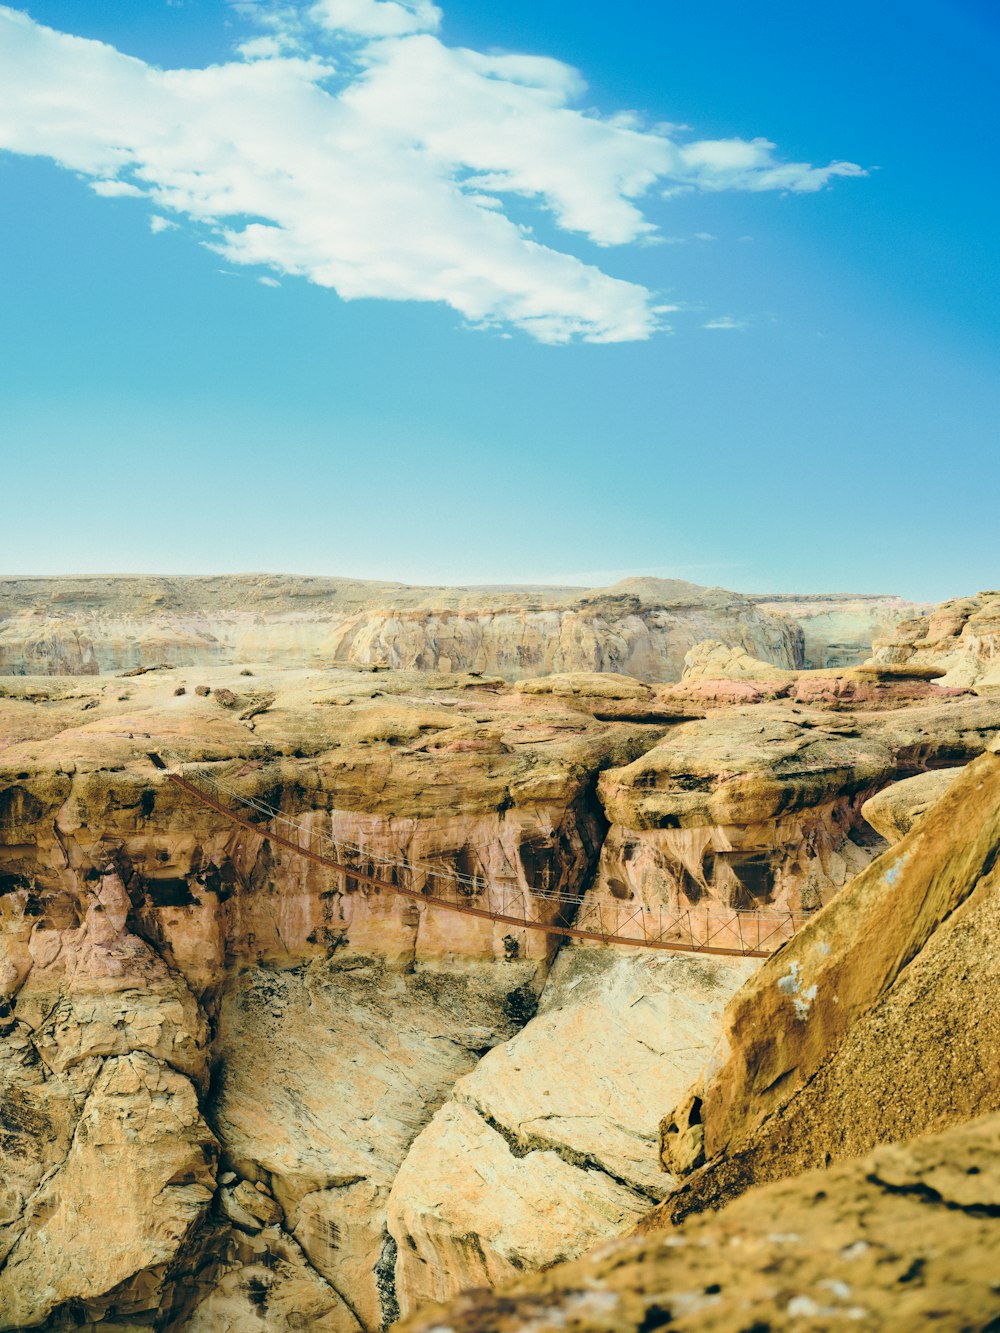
708	358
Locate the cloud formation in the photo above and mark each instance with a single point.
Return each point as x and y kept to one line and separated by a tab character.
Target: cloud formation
724	322
349	145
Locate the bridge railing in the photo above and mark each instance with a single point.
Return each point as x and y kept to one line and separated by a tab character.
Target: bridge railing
710	930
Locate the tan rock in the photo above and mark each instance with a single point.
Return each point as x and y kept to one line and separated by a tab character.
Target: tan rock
905	1238
838	631
640	627
716	661
263	1282
637	1024
640	1023
492	1213
894	810
138	1177
760	809
832	1048
249	1209
327	1077
960	638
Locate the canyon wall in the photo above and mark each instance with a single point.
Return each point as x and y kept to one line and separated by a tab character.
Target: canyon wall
240	1089
640	627
805	1200
960	638
838	630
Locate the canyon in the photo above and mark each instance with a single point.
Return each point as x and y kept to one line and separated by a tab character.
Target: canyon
239	1089
641	626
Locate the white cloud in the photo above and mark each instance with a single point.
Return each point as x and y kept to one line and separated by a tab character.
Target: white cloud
377	18
269	282
158	224
113	189
725	322
350	146
740	164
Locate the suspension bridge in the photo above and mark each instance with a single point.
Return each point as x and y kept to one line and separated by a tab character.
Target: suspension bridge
724	931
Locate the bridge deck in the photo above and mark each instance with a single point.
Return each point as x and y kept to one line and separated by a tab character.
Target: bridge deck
747	934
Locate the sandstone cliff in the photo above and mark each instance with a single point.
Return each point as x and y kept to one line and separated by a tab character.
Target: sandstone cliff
838	630
960	638
816	1206
641	627
307	1100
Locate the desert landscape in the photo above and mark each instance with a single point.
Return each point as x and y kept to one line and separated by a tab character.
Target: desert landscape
499	667
243	1089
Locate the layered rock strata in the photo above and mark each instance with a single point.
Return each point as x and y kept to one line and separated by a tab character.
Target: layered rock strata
111	625
838	629
877	1020
346	1091
145	939
960	638
760	809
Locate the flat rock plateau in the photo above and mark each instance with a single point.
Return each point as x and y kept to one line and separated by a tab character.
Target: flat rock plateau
243	1090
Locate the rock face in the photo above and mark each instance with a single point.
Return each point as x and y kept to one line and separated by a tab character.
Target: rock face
895	809
392	1046
718	675
838	630
311	1100
877	1020
145	940
760	809
137	1174
905	1238
641	627
528	1162
832	1048
960	638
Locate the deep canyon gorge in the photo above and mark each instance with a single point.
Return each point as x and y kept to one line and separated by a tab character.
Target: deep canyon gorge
241	1091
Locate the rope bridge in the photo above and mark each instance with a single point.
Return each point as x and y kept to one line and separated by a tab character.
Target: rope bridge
732	933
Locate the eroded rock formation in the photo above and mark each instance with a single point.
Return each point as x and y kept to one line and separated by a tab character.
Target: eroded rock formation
838	629
529	1162
816	1207
641	627
876	1021
307	1100
960	638
904	1238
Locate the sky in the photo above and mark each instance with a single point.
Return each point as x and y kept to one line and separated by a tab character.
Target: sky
519	293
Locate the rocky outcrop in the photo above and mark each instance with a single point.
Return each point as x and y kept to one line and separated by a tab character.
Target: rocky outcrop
529	1162
641	627
761	809
134	1179
838	629
352	1099
326	1076
903	1238
718	675
895	809
815	1206
960	639
141	932
876	1020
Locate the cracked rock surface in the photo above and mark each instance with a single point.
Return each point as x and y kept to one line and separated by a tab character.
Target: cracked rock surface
879	1019
533	1160
904	1238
